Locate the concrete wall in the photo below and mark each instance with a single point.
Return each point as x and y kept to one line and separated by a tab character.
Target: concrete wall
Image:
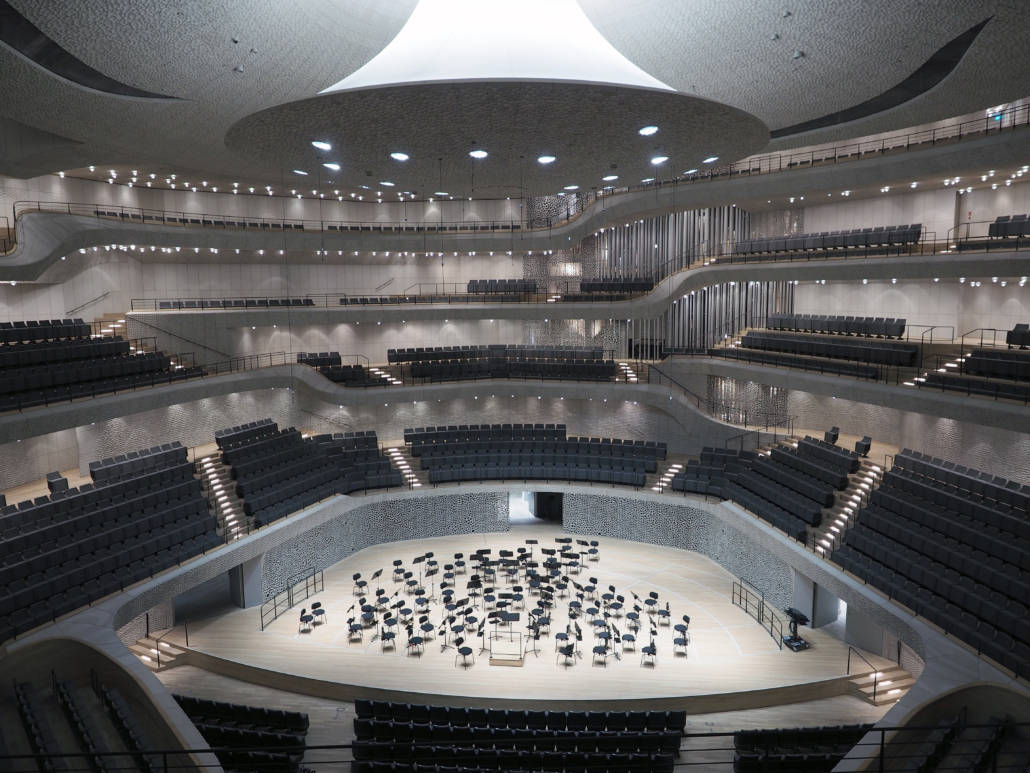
51	188
230	334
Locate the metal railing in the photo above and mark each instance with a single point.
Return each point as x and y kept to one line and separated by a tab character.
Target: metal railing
1011	118
876	672
299	587
753	602
879	750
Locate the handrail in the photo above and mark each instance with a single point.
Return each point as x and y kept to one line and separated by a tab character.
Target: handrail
1007	119
868	751
180	336
876	672
663	375
905	140
754	604
89	302
981	330
313	582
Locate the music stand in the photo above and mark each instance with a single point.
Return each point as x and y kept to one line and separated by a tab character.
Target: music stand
532	641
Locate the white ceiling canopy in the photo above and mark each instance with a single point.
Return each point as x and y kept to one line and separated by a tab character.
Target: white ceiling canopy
461	40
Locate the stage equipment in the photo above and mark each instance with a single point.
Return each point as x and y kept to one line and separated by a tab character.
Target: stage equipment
792	640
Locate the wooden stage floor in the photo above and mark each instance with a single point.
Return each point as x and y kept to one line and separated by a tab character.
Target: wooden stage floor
732	662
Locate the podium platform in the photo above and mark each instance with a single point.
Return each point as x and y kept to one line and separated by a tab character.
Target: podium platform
506	650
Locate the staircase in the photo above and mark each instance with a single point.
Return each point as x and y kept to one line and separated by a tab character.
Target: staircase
662	479
841	516
414	476
146	649
219	487
110	324
891	685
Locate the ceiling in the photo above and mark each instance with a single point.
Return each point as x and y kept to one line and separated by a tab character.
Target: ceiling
244	85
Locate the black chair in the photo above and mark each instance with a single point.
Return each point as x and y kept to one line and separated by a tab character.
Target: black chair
649	654
464	652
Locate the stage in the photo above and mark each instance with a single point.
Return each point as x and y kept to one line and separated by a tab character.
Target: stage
731	663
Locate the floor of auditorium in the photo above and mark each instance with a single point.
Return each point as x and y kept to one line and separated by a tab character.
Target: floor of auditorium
731	659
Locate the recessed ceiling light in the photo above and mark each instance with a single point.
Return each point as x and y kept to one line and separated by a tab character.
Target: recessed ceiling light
321	144
691	171
647	131
398	156
647	180
441	193
478	153
711	160
387	183
656	160
609	177
572	187
300	171
545	159
334	167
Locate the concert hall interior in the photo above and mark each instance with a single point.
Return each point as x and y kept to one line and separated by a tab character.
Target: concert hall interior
561	385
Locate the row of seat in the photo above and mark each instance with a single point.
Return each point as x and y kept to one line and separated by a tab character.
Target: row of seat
778	359
220	221
43	330
244	433
243	717
501	286
868	351
572	445
85	728
595	721
279	471
536	472
617	285
903	574
541	739
129	728
233	303
468	760
375	300
998	390
41	736
37	353
25	552
1009	226
430	353
89	497
496	368
318	359
237	733
1004	533
825	323
884	236
70	586
353	376
454	433
998	363
948	554
1019	335
133	462
978	484
517	462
